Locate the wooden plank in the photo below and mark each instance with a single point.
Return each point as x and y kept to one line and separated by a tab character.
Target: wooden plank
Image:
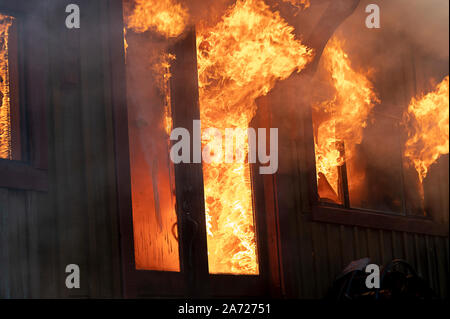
32	221
36	81
44	205
373	244
43	244
431	261
69	167
287	212
4	245
386	245
441	269
119	115
335	263
268	243
91	126
288	230
96	157
368	219
303	175
347	245
266	208
17	241
398	245
360	238
107	7
409	247
189	176
267	223
308	286
320	250
446	252
421	255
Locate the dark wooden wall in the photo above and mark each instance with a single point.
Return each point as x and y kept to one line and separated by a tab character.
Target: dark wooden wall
75	222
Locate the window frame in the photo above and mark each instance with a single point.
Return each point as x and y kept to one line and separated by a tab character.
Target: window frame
31	172
194	279
329	213
190	280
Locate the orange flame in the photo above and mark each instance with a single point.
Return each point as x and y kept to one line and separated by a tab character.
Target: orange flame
125	43
5	105
162	70
427	123
166	17
239	59
346	113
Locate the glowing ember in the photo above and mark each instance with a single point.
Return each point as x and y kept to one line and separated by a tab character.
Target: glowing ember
163	16
427	124
5	120
344	115
239	59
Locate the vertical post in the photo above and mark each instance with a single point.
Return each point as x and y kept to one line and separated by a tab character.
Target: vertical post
343	178
189	176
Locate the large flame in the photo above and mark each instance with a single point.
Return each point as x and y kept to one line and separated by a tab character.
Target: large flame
5	104
167	17
427	124
239	59
344	116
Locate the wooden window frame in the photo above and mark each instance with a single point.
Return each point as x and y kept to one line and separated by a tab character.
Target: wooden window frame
149	283
329	213
31	172
194	279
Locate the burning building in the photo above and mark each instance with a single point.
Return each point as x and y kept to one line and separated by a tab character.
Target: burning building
86	177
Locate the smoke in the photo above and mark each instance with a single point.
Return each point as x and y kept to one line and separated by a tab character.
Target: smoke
207	11
425	23
410	29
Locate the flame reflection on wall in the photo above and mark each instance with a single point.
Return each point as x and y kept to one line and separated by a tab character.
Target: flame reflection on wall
5	104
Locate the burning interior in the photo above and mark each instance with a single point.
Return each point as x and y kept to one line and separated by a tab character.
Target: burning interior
242	53
9	144
341	120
